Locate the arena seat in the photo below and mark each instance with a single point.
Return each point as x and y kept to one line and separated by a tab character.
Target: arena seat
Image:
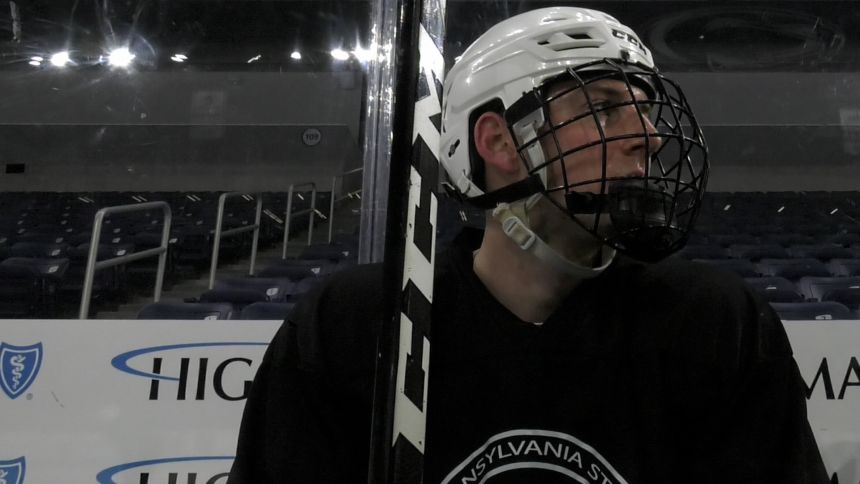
244	291
177	310
732	239
812	310
49	274
756	252
237	297
302	287
691	252
44	236
844	239
19	291
787	240
106	282
848	296
844	267
267	311
774	289
52	269
742	268
815	288
793	269
298	269
822	252
291	272
332	252
39	249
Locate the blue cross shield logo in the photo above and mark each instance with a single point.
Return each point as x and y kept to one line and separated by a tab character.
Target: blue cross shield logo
12	471
19	366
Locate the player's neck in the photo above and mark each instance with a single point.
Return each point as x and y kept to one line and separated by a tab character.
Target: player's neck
519	280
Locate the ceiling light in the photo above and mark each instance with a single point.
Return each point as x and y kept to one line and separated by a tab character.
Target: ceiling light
60	59
340	54
296	55
121	57
362	54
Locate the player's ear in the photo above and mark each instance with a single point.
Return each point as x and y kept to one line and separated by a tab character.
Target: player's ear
494	143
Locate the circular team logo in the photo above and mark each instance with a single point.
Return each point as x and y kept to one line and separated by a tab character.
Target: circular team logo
530	456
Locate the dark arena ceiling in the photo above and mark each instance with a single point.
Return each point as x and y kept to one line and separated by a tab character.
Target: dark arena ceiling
265	35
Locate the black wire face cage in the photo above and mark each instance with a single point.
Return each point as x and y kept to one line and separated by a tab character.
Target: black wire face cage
651	208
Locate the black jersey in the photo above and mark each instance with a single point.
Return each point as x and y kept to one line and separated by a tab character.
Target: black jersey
650	373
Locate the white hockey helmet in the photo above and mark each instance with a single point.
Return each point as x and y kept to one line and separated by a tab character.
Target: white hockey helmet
508	68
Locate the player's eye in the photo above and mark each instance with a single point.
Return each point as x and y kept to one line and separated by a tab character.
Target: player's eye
606	111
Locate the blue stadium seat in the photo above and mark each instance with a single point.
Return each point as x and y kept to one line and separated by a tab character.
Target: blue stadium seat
298	269
333	252
691	252
44	268
793	269
743	268
774	289
812	311
176	310
822	252
237	297
757	252
267	311
40	237
844	267
244	291
39	249
815	288
106	282
845	240
851	227
19	291
302	287
49	274
787	240
733	239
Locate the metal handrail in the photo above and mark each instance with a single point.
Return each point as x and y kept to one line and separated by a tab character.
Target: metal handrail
290	214
332	201
93	265
216	246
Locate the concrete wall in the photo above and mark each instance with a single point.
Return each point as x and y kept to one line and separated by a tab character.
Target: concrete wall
98	130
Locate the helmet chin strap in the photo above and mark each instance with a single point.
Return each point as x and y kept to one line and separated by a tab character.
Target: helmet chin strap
515	223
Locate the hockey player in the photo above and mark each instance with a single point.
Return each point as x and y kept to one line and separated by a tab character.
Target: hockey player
568	345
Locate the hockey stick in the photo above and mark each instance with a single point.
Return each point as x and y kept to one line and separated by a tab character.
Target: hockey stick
403	349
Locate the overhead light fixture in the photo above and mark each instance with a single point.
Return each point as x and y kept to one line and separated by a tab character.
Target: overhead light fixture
179	58
296	55
362	54
255	58
35	63
340	54
60	59
37	58
121	57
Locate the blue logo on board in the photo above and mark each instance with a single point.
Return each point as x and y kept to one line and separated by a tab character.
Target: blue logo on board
186	470
12	471
19	366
